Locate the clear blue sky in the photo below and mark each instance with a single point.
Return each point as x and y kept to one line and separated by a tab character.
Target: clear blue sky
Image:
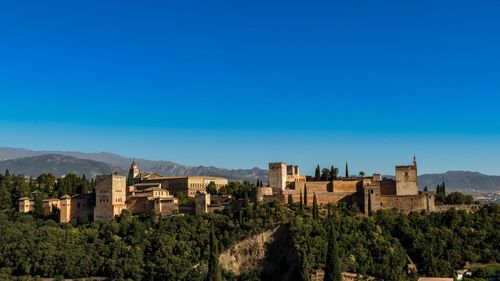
237	84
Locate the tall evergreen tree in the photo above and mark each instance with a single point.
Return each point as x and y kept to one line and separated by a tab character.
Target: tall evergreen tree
305	196
305	269
332	173
315	208
317	173
443	189
290	200
214	271
346	170
300	202
332	264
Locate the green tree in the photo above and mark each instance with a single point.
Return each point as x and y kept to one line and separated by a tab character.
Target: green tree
305	196
305	268
346	170
301	206
214	271
315	208
290	200
325	174
317	173
212	188
332	263
334	172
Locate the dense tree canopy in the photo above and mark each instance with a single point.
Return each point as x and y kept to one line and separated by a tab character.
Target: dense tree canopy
149	248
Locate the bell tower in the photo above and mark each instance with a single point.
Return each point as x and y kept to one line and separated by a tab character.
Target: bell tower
133	173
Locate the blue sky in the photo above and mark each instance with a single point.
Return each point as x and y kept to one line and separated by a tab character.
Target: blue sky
237	84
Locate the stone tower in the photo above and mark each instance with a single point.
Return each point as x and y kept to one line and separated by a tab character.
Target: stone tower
65	211
277	176
110	196
407	179
133	172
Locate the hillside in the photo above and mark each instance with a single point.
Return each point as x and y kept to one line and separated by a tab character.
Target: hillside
122	164
56	164
461	181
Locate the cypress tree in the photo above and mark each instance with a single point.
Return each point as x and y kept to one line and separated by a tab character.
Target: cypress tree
315	208
214	272
305	196
290	200
443	189
300	203
332	264
317	173
332	173
305	269
346	170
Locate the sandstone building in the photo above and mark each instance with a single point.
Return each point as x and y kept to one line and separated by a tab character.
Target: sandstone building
137	193
186	185
369	193
111	197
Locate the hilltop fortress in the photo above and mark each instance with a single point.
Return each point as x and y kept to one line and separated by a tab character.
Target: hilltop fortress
368	193
142	192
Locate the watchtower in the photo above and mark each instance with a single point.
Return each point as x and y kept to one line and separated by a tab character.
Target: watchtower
277	176
407	179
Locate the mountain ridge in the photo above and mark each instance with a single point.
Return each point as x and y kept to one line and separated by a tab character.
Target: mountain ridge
122	164
93	164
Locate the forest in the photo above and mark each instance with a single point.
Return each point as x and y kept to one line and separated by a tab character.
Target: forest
148	247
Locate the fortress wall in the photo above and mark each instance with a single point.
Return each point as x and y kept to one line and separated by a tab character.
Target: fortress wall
407	203
318	186
387	187
346	185
325	197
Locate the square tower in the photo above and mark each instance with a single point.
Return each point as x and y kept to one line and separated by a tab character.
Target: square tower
110	196
406	180
277	176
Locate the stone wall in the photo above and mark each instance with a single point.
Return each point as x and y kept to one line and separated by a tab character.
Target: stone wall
387	187
407	203
347	185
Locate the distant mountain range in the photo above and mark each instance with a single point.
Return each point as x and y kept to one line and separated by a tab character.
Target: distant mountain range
33	163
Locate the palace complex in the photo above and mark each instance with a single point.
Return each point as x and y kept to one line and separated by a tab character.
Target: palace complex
141	192
369	193
138	192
